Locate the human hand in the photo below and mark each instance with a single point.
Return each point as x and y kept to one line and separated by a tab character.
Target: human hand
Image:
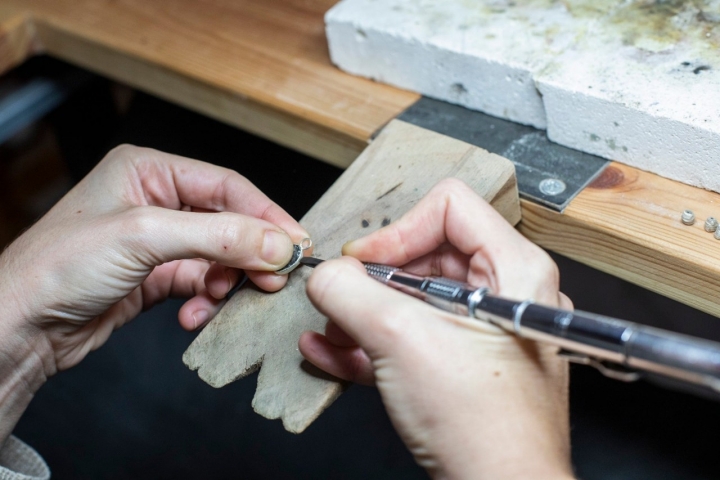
136	230
469	400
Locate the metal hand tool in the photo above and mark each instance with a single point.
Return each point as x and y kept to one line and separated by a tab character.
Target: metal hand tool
619	349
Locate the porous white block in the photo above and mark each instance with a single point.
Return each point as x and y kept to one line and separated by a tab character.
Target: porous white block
444	50
656	108
636	81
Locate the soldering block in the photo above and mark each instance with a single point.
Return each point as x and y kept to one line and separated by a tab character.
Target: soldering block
634	81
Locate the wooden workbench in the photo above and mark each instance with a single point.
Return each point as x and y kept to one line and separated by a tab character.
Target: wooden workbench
263	66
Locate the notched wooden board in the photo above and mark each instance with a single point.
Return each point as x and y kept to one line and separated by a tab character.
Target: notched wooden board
261	330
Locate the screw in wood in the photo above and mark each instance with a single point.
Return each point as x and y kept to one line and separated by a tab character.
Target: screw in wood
688	217
552	186
717	234
711	224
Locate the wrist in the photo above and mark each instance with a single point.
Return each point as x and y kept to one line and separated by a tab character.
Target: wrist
26	358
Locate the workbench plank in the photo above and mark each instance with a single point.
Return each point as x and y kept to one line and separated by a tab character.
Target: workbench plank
627	223
259	65
263	65
17	37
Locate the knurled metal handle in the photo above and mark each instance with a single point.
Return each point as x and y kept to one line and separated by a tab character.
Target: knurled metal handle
382	273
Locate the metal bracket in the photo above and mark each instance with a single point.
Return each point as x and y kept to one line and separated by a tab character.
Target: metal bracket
547	173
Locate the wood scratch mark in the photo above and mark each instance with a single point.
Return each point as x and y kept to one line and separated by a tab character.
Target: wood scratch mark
389	191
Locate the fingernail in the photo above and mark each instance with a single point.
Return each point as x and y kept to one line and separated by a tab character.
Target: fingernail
346	248
200	318
276	249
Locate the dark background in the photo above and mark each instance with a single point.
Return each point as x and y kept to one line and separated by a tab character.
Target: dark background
132	410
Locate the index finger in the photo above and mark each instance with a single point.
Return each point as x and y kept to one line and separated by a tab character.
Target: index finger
499	256
172	181
450	213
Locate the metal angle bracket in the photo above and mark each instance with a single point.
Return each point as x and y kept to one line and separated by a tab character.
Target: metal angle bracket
547	173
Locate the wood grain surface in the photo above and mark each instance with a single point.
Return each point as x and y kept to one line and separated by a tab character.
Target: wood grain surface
627	223
263	65
260	330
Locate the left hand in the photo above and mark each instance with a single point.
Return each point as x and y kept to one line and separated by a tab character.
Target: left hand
141	227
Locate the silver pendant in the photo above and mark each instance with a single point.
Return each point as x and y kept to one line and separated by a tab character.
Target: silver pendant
297	255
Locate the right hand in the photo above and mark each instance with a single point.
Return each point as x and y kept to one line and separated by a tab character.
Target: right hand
469	400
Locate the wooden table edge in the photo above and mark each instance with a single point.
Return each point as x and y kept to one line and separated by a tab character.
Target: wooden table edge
577	233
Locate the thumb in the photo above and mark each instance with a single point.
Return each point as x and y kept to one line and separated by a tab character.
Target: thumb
378	318
158	235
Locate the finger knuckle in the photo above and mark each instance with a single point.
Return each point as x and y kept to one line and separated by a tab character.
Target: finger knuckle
138	222
124	152
230	235
537	261
453	190
451	185
124	149
355	365
226	187
546	276
136	228
131	156
547	268
392	323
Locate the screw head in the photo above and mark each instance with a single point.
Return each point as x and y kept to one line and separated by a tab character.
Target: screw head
717	234
711	224
687	217
552	186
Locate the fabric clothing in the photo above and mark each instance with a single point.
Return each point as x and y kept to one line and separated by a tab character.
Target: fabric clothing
18	461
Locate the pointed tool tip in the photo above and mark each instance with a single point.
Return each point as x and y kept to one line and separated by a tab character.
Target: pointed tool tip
311	261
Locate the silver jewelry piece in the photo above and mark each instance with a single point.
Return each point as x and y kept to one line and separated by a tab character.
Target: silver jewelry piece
297	255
